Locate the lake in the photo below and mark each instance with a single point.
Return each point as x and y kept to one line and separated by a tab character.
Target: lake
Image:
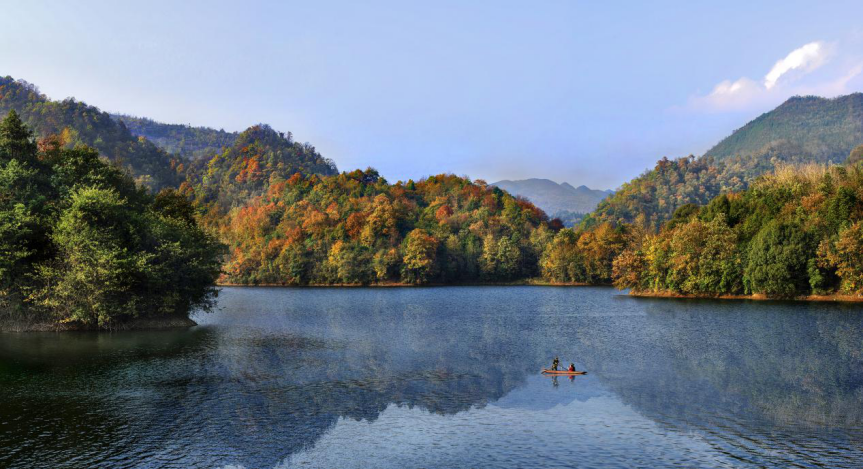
444	377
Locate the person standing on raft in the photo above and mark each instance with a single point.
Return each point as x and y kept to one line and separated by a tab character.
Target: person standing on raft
555	363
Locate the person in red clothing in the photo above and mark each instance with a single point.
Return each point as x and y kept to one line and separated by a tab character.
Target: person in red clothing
572	367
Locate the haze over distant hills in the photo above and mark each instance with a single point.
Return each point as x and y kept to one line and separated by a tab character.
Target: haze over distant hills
191	142
807	129
558	200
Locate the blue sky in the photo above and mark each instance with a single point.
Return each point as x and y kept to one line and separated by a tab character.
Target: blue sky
575	91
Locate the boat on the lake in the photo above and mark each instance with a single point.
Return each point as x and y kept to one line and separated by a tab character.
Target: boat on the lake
563	372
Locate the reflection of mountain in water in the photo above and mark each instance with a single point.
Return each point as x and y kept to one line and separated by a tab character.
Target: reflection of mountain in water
550	392
277	368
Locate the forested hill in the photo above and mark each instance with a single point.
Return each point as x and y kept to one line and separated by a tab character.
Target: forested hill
259	157
78	123
234	165
356	228
800	131
824	130
191	142
225	169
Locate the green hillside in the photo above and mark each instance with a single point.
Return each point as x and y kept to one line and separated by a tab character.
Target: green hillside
78	123
228	166
825	130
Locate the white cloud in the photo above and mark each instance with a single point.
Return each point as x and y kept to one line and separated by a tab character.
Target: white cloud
808	58
785	79
729	95
738	87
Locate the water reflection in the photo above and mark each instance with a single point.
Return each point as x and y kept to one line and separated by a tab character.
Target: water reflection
277	376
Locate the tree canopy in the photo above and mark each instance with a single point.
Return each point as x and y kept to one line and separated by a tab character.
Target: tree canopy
795	232
81	242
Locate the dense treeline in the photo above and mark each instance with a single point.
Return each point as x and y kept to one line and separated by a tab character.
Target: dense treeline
357	228
585	255
798	231
190	142
76	123
81	242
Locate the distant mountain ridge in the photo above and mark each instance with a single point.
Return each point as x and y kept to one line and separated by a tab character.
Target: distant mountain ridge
191	142
558	200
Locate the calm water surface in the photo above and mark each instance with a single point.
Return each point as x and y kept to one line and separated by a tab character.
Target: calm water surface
444	377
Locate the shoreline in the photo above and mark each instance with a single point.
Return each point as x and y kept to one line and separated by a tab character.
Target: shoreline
518	283
135	324
834	298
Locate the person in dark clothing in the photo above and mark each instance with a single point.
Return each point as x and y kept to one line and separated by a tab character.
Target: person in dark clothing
555	364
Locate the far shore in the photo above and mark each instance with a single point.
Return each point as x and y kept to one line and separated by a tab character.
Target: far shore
528	282
836	298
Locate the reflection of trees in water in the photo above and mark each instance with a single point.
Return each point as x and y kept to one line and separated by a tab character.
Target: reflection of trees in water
421	366
790	364
74	399
260	395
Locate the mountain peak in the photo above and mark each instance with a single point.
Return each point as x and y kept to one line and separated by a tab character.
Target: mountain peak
814	128
552	197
